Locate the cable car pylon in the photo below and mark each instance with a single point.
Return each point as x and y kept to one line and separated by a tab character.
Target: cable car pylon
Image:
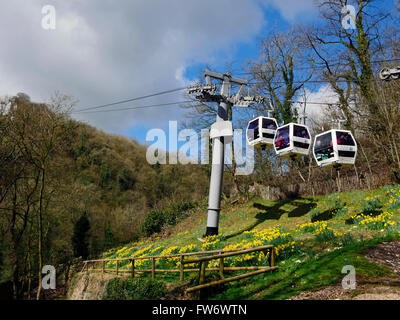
221	133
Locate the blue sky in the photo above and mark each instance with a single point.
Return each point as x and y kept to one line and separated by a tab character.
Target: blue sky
238	54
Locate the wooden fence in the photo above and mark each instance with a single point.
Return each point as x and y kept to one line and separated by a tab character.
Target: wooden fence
202	258
90	265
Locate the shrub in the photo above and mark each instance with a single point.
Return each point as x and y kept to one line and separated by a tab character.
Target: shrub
176	211
80	237
134	289
153	222
156	219
109	239
125	180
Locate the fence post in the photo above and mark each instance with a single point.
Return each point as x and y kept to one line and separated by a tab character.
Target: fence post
117	266
272	257
104	266
181	278
202	292
202	272
153	268
221	268
133	268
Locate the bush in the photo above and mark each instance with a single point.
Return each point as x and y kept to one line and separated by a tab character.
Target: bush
80	237
156	219
134	289
153	222
109	239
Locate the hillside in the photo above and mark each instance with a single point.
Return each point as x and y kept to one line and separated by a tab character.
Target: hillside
125	186
314	238
88	189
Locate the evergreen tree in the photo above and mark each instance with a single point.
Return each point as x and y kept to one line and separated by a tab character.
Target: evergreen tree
80	237
109	240
1	257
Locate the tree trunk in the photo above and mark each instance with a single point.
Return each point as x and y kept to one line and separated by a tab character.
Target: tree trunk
40	231
14	240
15	263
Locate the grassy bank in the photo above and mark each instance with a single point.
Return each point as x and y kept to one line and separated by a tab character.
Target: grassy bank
313	237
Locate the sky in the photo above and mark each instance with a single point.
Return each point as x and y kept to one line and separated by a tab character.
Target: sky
102	51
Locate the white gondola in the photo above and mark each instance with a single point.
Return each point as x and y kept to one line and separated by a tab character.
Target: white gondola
292	140
261	132
335	148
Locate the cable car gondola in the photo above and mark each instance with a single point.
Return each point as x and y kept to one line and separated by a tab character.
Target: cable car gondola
261	132
335	148
292	140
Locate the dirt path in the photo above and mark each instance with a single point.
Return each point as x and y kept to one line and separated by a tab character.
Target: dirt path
387	254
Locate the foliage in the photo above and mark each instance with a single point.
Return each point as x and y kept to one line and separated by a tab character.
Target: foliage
324	233
335	205
300	248
153	222
346	239
304	273
370	205
134	289
157	219
109	239
315	212
1	258
53	168
309	227
378	222
80	238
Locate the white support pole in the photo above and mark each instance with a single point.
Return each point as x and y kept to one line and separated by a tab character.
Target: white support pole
208	94
217	167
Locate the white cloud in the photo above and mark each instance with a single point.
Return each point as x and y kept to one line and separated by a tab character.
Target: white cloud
318	102
293	10
102	51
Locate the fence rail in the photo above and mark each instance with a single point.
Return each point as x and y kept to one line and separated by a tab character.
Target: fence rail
202	268
204	257
153	270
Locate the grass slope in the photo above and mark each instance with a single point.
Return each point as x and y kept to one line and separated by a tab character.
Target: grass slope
314	239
